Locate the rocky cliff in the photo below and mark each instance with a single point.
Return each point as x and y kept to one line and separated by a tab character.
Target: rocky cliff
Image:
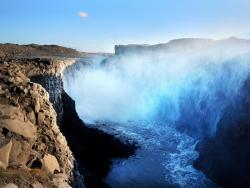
43	142
224	158
32	149
92	148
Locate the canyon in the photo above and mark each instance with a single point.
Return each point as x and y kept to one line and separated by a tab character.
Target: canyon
43	141
166	115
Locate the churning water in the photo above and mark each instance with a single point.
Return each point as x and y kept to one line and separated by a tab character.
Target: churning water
166	102
164	159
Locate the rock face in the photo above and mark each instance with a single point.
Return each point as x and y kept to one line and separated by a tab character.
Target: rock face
93	149
27	67
31	144
37	143
224	158
54	85
96	150
33	151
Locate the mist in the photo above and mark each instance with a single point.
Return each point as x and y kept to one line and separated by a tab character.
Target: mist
181	86
165	98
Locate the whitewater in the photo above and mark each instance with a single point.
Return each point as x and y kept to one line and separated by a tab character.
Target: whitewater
165	102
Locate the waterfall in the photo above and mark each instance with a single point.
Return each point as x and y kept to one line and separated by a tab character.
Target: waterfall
166	100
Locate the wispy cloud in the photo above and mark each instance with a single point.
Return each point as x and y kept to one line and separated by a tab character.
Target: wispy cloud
83	14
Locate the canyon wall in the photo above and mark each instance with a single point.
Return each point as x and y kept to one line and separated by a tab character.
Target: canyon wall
224	157
224	154
44	142
92	148
36	113
33	151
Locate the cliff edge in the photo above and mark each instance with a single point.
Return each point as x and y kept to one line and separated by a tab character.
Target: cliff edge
43	141
33	151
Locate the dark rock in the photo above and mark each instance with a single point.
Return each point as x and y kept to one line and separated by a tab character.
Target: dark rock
224	158
92	148
54	85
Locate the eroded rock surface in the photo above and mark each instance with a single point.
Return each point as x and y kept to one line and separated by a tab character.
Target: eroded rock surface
31	144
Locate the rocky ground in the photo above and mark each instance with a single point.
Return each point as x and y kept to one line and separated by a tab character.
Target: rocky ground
10	51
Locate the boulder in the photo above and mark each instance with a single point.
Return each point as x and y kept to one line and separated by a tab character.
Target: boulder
50	164
15	121
37	185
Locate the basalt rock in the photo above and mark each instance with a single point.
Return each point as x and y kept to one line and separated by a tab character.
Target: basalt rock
92	148
224	157
30	140
35	115
96	149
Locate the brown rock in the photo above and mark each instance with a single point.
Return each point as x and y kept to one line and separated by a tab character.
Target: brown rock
37	185
20	152
40	118
25	91
10	185
13	112
26	129
31	116
50	164
36	141
37	104
26	101
60	181
4	154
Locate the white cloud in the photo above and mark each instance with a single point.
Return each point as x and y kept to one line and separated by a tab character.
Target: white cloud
83	14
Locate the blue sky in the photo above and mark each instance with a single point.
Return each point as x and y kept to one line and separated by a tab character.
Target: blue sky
97	25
